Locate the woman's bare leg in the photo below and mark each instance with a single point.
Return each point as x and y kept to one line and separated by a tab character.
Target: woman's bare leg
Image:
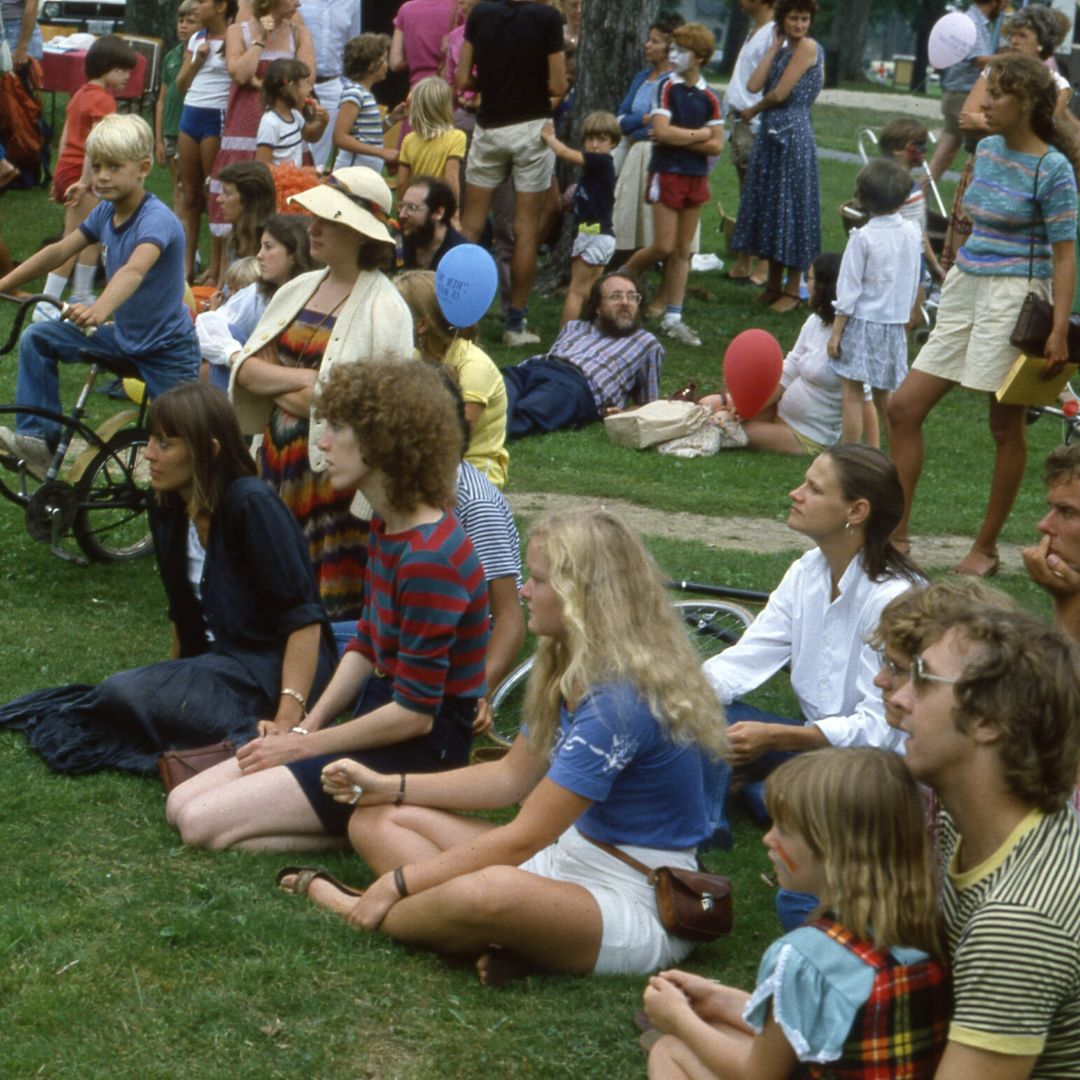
1008	429
911	404
552	924
773	437
388	836
190	207
262	811
671	1059
665	223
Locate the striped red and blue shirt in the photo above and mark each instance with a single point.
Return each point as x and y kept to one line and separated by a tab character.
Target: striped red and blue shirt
425	619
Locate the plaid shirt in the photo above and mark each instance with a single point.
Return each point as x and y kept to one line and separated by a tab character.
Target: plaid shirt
617	369
901	1030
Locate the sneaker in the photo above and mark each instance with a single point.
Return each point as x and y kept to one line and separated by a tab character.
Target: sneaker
523	336
679	331
31	450
45	313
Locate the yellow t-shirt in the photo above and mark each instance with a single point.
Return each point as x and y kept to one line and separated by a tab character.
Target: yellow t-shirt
481	382
428	157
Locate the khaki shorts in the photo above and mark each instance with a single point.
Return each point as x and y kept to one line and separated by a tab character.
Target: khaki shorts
516	148
977	313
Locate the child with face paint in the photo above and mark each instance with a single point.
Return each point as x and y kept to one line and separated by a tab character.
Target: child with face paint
687	129
857	990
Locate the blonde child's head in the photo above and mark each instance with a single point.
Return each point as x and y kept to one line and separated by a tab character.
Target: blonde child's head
431	108
861	814
242	273
434	334
882	186
363	54
187	18
601	125
119	138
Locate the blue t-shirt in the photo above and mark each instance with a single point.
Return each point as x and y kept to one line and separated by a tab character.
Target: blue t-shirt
646	790
594	200
685	106
154	315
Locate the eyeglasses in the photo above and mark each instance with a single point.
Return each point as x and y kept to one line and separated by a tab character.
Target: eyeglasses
413	207
895	672
920	676
619	297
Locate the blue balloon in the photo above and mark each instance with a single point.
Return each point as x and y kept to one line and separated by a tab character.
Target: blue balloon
465	284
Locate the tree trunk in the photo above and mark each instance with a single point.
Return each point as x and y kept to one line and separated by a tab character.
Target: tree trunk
738	24
848	37
156	18
604	70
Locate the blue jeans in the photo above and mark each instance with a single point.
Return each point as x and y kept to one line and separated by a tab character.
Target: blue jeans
546	395
12	29
44	346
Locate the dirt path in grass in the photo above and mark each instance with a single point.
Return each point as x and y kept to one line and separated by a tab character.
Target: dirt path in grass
735	533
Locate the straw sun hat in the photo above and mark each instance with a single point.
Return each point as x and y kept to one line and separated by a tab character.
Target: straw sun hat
357	197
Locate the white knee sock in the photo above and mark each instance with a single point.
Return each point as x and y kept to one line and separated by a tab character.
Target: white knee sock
55	284
82	283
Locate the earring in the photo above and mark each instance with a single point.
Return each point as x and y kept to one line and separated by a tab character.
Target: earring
847	528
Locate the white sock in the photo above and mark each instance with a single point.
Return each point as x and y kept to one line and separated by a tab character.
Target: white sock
55	284
82	283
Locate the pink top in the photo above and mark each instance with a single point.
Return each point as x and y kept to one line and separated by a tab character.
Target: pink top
424	25
455	39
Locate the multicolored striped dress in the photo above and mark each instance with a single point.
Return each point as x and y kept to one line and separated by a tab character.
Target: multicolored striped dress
337	541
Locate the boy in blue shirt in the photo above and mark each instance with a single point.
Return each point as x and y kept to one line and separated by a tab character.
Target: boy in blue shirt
143	243
688	129
594	203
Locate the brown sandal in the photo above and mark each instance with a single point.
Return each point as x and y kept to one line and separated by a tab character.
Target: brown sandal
305	875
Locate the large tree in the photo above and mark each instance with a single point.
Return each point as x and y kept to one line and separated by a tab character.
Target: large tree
154	17
609	54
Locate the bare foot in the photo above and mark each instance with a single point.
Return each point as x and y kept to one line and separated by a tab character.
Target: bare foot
786	302
499	966
977	563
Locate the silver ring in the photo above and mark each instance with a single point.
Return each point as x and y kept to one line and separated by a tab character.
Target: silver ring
357	791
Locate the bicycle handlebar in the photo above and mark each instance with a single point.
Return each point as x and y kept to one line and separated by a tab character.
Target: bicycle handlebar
20	315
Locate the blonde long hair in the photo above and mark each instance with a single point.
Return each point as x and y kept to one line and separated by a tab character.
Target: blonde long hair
861	814
620	625
431	108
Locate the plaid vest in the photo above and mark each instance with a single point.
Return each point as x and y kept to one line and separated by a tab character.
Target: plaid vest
901	1030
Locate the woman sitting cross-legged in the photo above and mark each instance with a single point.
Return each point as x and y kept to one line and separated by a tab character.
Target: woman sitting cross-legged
414	674
251	641
619	721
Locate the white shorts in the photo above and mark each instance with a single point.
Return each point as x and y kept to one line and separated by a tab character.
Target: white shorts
634	941
970	341
595	249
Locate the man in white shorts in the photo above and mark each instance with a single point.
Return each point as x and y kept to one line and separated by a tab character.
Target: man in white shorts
517	48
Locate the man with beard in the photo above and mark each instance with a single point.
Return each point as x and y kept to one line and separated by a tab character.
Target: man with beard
597	365
425	213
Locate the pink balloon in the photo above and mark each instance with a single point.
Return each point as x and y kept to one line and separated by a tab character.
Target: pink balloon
752	365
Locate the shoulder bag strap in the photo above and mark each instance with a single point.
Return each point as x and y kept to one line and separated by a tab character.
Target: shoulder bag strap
615	853
1035	213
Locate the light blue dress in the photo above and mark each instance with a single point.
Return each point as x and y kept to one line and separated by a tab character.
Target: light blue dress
780	207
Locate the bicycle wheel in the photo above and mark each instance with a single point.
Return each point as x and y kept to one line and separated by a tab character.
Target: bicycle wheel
506	704
111	524
713	626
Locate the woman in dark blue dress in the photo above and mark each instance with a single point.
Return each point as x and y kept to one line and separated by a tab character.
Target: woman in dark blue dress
779	211
252	643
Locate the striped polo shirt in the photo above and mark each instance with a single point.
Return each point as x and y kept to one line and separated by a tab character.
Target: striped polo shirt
1013	926
425	617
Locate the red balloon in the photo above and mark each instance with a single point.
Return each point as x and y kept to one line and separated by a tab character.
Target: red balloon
752	366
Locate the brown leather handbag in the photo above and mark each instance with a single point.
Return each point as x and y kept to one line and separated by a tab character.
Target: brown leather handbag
692	904
176	766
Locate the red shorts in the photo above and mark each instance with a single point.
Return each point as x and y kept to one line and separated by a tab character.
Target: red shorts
676	191
63	178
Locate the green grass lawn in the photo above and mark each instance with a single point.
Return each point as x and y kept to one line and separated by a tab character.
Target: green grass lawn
126	955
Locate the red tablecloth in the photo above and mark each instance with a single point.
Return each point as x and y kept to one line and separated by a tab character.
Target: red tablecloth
65	72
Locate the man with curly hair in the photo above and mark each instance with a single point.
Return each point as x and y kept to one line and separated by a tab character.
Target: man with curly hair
991	708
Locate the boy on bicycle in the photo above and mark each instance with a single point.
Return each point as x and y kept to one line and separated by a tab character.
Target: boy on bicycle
143	243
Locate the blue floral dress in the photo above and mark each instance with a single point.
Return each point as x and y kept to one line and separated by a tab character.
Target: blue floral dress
780	211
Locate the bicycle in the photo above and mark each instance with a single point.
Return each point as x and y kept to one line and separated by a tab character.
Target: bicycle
97	484
713	626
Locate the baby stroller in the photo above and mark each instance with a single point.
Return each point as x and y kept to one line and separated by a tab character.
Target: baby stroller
937	220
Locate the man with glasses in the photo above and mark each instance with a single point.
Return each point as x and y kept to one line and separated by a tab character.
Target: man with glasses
597	365
989	698
426	232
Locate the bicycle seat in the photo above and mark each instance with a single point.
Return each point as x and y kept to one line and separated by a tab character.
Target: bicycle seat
118	365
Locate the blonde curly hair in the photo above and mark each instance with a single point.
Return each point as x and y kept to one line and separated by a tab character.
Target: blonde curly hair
620	626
